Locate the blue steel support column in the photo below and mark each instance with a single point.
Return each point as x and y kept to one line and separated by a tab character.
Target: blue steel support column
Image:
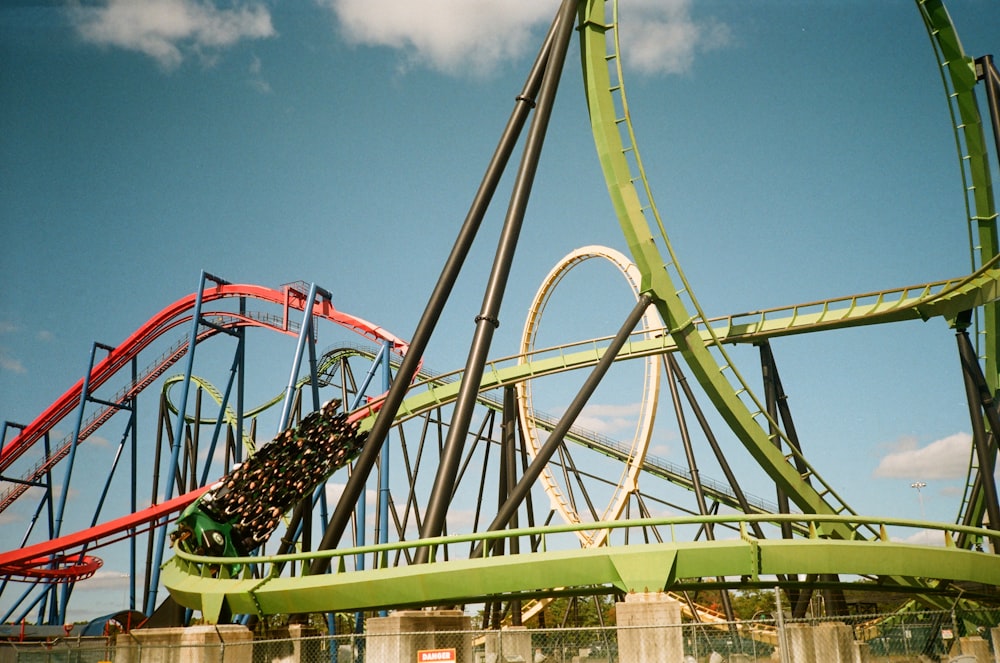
67	589
359	559
383	487
41	504
305	524
360	514
134	502
241	353
383	474
221	419
49	496
380	358
3	431
313	376
305	335
360	511
111	474
6	618
84	392
369	376
58	616
44	503
161	538
301	522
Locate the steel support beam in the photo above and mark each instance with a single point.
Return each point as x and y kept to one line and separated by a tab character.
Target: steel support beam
699	494
558	433
432	312
177	442
713	442
488	319
981	401
987	71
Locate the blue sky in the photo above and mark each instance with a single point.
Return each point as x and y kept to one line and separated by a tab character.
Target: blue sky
797	150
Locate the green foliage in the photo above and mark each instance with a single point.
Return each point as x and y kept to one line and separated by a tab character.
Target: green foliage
752	602
583	610
575	611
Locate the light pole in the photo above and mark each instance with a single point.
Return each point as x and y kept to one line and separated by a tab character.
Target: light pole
919	485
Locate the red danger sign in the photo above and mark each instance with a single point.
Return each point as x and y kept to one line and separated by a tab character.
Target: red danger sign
436	656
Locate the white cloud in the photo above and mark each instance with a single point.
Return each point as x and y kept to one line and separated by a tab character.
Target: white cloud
947	458
924	537
9	518
475	36
609	419
460	521
99	441
453	36
103	580
11	364
257	80
335	490
662	450
166	29
605	410
662	37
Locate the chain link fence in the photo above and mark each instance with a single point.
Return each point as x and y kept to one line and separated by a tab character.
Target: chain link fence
65	650
920	637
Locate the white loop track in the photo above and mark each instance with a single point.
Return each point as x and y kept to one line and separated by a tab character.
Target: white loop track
628	481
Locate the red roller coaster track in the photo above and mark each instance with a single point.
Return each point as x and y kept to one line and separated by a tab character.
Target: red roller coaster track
63	559
289	298
53	560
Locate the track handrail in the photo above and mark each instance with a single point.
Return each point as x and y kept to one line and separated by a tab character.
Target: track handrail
739	521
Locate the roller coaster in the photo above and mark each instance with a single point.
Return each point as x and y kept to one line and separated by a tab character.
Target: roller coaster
241	522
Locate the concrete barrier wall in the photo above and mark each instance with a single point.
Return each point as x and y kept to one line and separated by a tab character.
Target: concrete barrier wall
649	628
398	637
225	643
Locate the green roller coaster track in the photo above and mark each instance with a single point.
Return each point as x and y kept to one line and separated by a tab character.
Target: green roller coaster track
663	277
839	541
201	582
944	299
